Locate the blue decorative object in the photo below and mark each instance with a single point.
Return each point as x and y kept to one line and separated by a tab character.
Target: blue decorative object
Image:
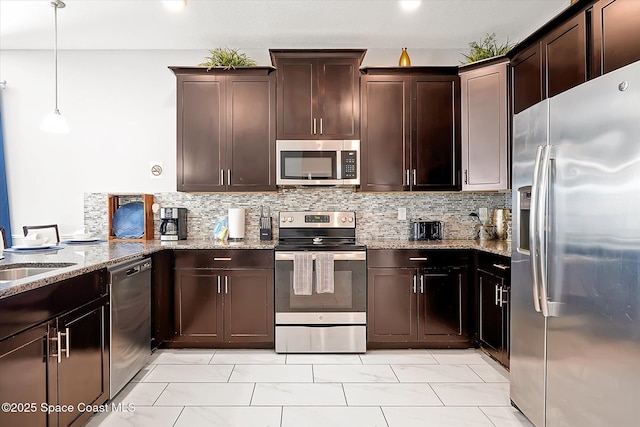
128	221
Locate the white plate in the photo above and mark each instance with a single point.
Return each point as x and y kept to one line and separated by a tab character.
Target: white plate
27	247
84	239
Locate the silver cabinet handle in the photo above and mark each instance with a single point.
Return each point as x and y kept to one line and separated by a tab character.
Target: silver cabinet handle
418	259
421	284
226	284
218	284
504	297
314	126
228	176
495	296
407	177
320	125
58	338
501	266
221	176
415	284
466	177
222	258
415	177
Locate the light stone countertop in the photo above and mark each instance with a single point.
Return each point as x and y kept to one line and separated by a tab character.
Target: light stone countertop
91	257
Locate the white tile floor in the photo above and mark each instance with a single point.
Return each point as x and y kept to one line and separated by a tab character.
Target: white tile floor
385	388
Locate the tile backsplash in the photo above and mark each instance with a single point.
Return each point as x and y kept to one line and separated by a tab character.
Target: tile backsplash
376	213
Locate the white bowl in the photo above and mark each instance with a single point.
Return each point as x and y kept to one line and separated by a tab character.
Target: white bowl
33	242
81	235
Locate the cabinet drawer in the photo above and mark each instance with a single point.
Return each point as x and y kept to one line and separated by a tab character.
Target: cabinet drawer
224	258
495	264
419	258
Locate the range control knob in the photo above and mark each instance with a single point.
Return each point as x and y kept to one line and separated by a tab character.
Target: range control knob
290	219
343	219
350	219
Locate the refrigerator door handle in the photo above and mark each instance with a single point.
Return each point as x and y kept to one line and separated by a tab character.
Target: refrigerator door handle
533	231
542	229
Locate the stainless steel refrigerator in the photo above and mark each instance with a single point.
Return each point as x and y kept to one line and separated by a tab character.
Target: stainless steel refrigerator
575	314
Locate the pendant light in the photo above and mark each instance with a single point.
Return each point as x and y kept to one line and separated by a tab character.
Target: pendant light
55	122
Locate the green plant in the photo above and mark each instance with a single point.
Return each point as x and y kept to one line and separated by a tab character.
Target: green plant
227	58
487	48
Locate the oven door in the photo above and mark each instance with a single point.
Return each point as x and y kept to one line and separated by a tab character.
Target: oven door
346	305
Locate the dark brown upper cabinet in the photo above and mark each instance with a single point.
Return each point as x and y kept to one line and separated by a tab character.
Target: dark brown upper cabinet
564	56
485	126
410	129
616	32
526	69
226	129
318	93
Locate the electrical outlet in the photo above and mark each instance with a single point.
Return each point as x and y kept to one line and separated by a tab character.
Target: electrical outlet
402	214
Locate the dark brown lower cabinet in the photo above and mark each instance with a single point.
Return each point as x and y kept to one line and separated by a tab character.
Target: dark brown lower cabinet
60	361
83	377
24	377
422	306
223	305
494	308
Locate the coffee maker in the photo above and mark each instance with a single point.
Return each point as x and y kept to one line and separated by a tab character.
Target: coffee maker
173	223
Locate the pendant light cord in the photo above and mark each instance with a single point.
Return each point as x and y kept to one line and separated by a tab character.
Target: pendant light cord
55	51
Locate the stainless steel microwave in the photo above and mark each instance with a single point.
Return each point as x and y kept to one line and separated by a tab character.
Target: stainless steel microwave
318	162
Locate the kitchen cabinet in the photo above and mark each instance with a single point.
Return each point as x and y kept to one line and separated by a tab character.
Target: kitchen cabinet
526	71
226	129
615	35
485	126
54	351
417	298
493	287
564	56
410	129
223	297
318	93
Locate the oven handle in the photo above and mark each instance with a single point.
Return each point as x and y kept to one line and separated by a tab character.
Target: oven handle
337	256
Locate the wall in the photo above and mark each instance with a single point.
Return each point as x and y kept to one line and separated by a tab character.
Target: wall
376	213
121	109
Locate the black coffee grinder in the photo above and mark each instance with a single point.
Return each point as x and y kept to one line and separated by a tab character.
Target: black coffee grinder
173	223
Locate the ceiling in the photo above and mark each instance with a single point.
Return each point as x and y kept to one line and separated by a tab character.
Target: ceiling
258	24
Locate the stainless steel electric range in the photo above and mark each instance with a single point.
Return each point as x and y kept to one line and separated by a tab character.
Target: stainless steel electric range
320	284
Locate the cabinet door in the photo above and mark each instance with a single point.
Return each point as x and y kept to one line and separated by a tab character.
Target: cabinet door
25	375
435	149
201	135
248	306
526	68
251	133
491	331
198	305
385	133
391	310
83	369
615	35
338	115
484	129
564	55
441	306
297	98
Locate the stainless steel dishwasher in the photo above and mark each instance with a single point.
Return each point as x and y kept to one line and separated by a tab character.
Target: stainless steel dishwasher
130	296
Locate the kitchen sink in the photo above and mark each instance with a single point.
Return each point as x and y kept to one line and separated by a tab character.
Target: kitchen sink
21	271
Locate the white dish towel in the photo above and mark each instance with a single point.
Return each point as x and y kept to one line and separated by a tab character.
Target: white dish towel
302	273
324	273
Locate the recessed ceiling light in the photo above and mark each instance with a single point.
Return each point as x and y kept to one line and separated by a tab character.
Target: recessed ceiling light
175	5
409	5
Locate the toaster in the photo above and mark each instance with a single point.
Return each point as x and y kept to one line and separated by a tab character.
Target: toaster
425	230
